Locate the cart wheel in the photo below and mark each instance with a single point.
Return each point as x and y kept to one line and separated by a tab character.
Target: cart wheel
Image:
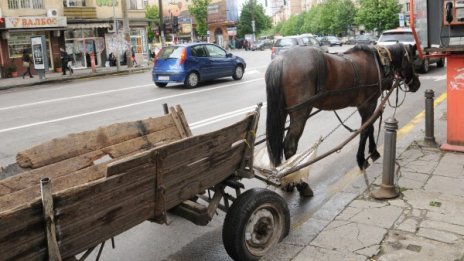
256	222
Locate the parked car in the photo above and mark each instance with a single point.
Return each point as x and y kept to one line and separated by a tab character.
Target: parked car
330	40
261	45
349	40
404	36
287	42
366	39
195	62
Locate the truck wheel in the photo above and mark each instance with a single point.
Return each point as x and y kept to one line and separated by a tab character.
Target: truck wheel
441	63
425	66
257	220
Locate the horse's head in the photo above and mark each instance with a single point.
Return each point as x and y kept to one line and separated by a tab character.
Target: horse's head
406	69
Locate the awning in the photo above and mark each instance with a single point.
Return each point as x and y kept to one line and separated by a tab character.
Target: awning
89	26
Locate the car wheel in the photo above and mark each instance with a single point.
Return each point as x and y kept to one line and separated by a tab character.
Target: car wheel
441	63
425	66
238	73
192	80
161	84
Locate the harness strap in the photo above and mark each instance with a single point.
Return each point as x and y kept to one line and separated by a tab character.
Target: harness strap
343	124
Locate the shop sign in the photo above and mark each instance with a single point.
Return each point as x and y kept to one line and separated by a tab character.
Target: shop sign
35	21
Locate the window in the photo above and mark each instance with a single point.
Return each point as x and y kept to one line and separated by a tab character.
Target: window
17	4
73	3
20	42
198	51
215	51
137	4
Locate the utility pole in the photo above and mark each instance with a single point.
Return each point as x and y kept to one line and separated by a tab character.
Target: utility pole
115	27
163	40
253	19
127	34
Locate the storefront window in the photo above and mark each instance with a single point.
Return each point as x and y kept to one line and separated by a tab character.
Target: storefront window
20	42
16	4
80	43
138	41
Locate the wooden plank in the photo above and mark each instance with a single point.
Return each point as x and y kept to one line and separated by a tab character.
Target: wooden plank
49	216
32	177
196	147
80	143
183	120
178	122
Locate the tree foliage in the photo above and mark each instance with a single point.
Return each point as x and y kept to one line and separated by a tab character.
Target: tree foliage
152	14
378	14
199	10
249	10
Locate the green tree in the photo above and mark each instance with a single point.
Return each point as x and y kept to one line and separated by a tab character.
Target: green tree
378	14
152	14
199	10
249	10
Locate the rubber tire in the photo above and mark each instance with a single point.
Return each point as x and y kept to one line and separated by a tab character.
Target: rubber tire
238	75
191	82
441	63
161	84
238	217
425	66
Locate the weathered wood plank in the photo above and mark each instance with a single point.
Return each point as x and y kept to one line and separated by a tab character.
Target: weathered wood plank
80	143
183	120
178	122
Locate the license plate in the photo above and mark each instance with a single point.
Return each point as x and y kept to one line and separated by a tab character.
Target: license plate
163	78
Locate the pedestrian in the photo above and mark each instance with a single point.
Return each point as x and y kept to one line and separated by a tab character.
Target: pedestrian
65	62
133	56
27	64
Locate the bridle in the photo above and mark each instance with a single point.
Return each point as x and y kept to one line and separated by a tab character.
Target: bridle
400	72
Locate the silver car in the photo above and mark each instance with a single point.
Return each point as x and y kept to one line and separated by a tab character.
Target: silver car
287	42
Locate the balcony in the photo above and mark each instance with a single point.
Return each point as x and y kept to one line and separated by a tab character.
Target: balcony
82	12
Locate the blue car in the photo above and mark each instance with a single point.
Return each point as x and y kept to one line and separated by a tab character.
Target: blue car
193	63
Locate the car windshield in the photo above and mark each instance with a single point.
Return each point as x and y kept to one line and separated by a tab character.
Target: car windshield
398	36
170	52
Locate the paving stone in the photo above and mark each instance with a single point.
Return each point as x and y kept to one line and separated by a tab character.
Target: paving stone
334	206
305	233
348	213
445	184
420	166
346	236
442	226
398	202
408	225
400	245
312	253
282	252
369	251
438	235
378	216
368	204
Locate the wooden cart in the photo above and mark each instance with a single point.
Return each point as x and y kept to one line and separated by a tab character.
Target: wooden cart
74	193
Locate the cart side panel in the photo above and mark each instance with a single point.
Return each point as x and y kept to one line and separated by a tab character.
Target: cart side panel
22	234
188	167
90	214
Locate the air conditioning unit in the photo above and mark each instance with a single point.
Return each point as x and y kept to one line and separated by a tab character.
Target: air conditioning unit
52	13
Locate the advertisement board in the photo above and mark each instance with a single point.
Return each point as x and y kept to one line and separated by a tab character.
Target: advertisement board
39	52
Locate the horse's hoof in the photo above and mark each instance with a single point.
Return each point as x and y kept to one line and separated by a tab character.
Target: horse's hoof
305	190
375	155
288	188
365	165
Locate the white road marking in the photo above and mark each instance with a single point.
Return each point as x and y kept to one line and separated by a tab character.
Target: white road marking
120	107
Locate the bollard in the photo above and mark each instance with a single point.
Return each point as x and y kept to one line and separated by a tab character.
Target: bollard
429	118
387	188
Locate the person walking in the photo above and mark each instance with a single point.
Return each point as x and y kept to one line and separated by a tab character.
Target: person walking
27	64
133	56
65	62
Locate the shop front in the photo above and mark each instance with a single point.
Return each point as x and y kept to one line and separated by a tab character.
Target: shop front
16	40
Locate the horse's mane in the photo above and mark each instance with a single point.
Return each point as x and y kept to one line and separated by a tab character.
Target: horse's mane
396	51
359	48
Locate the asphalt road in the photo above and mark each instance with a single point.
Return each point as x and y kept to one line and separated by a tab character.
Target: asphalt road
35	114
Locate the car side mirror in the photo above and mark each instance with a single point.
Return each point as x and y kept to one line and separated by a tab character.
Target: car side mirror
228	55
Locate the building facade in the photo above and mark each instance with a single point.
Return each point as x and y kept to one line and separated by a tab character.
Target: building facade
89	31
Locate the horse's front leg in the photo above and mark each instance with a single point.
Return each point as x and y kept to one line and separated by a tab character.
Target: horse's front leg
373	153
366	112
297	124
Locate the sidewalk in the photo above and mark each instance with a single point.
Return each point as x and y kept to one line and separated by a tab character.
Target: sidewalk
7	83
425	223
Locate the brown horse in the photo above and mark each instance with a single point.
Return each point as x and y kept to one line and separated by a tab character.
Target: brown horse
304	78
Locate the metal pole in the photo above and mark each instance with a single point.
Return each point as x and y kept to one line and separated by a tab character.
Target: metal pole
127	34
429	118
115	27
387	188
163	39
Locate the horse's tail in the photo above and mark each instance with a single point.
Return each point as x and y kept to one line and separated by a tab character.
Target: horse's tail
276	114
